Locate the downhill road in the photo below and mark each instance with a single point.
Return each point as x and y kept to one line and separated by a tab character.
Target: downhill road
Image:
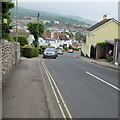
89	90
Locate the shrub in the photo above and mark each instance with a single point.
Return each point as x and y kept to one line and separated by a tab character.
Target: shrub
101	43
76	49
21	39
65	49
30	52
109	59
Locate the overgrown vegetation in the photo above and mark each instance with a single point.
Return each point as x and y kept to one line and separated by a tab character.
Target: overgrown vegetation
101	43
75	49
79	36
6	19
109	59
21	39
36	29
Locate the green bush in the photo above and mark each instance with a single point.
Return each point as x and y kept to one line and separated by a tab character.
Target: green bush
101	43
65	49
21	39
109	59
76	49
30	52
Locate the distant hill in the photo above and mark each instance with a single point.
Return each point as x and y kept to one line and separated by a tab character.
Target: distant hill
23	12
81	19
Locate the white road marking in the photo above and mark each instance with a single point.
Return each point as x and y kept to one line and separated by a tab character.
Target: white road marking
103	81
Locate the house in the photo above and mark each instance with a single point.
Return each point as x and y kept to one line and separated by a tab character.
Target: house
55	39
48	39
25	33
107	29
64	40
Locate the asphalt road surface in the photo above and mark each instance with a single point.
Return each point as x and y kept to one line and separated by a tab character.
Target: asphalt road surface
88	90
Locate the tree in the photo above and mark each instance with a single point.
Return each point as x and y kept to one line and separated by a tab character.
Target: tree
36	29
6	19
22	40
79	36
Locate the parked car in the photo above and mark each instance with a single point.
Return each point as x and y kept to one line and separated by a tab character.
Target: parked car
70	51
60	51
56	52
50	52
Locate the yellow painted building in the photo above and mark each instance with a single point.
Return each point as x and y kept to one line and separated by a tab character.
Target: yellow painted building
107	29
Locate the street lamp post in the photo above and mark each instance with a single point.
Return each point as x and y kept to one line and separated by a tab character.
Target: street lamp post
16	32
38	29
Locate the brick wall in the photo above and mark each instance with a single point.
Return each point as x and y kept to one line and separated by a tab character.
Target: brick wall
8	57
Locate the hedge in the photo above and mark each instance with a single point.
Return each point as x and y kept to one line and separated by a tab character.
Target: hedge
30	52
101	43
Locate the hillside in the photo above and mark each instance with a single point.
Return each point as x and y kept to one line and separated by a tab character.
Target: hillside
23	12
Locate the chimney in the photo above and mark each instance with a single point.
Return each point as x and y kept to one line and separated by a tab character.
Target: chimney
104	17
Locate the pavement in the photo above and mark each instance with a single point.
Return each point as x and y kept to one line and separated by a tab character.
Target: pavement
99	62
23	91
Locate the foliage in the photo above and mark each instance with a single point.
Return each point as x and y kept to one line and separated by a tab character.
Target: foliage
6	16
36	29
109	59
48	31
79	36
30	52
65	49
69	33
101	43
70	47
22	40
75	49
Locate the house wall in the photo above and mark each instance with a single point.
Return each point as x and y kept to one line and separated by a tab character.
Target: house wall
30	39
54	43
42	42
107	32
67	42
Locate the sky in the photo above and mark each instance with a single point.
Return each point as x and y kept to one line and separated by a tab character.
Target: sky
92	10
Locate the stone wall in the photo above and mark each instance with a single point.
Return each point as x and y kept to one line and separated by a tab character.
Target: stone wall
8	56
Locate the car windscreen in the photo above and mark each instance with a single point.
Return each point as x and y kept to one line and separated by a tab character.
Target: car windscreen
50	50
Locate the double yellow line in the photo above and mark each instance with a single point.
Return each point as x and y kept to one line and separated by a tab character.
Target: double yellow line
52	83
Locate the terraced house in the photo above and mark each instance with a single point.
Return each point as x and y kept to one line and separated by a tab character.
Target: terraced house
105	30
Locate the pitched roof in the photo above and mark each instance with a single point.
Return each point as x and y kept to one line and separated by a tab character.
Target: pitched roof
24	33
56	35
99	24
63	37
44	36
75	44
48	34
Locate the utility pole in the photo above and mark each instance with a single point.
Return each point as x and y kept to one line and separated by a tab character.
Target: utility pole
16	52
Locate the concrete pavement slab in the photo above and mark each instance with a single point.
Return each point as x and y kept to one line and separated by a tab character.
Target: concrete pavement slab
23	91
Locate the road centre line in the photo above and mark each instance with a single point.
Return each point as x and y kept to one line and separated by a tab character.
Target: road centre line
103	81
66	108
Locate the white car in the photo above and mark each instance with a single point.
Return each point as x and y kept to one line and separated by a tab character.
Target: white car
50	52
